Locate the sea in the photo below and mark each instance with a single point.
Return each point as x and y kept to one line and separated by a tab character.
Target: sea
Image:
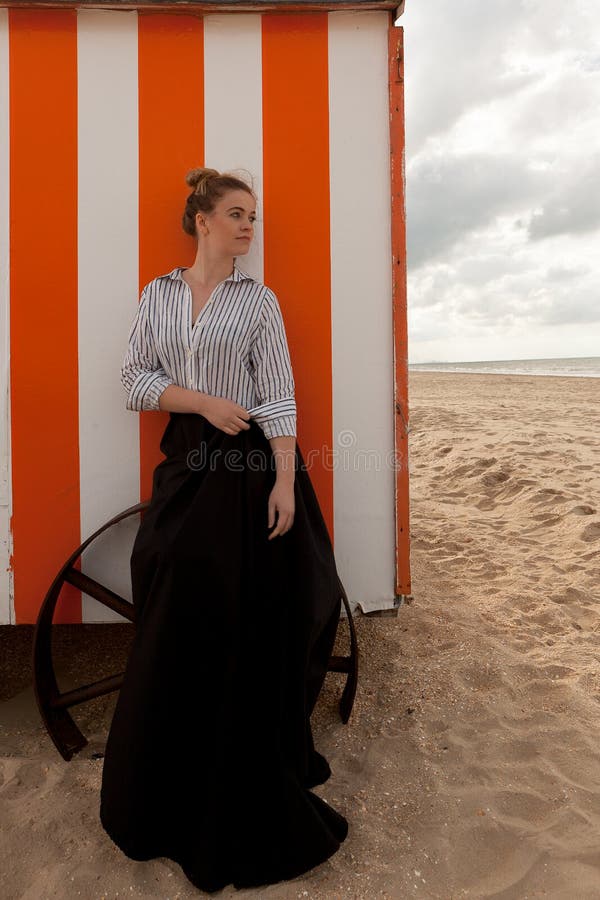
576	366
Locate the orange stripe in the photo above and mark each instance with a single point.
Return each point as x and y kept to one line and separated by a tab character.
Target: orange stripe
171	135
297	231
43	302
396	101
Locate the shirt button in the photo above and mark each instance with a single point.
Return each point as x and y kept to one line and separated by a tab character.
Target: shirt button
189	353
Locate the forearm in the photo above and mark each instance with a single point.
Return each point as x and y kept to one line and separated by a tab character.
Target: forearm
284	453
182	400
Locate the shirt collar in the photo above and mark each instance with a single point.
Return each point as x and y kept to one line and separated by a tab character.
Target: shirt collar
236	275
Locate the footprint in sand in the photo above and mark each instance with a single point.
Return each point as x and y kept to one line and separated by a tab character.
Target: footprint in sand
555	671
518	486
549	519
476	678
546	522
591	532
583	510
29	775
549	623
521	807
472	469
573	595
547	495
493	478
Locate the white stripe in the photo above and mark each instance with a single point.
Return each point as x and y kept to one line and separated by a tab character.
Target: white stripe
7	612
233	109
108	290
363	415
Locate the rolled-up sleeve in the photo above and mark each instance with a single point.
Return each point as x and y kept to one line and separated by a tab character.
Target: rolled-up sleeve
142	375
276	413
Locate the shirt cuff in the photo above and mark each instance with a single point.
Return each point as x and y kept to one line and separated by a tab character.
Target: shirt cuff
283	426
277	418
146	390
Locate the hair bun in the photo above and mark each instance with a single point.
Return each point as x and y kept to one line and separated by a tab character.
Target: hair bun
208	187
196	178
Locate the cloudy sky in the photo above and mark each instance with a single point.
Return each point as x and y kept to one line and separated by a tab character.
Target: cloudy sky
503	178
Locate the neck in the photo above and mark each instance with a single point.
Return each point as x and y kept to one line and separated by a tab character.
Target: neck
207	271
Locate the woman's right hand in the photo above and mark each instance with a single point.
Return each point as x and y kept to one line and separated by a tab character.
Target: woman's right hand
225	414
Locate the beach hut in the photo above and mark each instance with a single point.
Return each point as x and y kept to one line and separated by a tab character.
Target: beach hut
103	108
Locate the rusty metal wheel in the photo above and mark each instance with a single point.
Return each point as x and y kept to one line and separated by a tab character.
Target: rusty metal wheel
54	706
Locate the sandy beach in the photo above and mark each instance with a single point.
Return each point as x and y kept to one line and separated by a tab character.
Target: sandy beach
470	766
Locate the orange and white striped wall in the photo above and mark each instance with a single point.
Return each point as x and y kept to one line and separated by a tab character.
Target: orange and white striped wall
101	115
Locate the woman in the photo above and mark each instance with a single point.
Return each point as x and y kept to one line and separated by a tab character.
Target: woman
210	755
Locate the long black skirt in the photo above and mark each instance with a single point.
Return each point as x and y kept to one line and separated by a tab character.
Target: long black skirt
210	757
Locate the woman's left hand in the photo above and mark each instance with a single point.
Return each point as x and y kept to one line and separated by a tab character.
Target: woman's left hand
281	501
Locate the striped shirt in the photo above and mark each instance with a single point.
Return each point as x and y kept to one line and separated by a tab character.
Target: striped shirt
237	348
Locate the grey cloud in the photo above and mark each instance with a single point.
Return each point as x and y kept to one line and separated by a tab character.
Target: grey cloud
463	65
588	62
448	197
573	208
475	270
465	54
568	101
565	273
458	54
566	309
523	296
429	330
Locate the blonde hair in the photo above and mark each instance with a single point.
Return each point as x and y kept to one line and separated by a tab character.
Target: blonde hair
209	185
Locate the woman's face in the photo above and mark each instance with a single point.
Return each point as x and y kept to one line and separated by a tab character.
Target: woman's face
231	223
